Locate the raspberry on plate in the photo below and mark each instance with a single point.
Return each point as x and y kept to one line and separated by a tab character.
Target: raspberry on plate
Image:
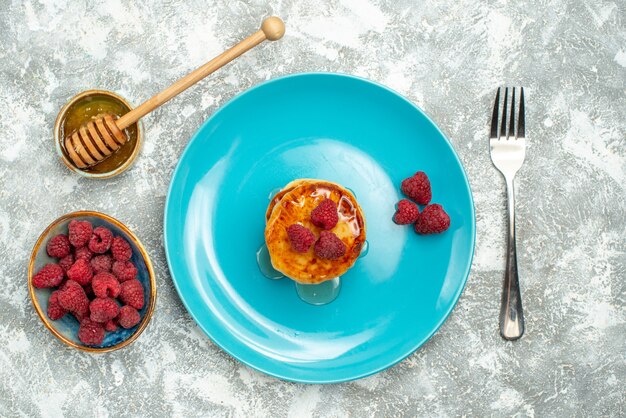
90	332
300	237
100	240
58	246
329	246
105	285
103	309
128	317
406	213
132	294
101	263
432	220
55	311
417	188
79	233
124	270
325	214
120	249
80	272
50	275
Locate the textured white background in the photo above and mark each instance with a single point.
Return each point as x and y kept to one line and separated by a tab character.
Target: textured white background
445	55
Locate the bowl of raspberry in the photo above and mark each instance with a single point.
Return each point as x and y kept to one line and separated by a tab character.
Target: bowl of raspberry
91	282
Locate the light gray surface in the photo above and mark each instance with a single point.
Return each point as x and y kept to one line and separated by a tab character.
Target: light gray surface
445	55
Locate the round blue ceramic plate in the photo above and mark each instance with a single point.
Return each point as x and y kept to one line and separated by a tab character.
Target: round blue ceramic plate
334	127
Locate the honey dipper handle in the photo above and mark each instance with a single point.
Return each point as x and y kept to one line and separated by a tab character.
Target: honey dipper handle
272	29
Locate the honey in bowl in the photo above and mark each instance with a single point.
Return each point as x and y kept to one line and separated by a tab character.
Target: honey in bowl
88	106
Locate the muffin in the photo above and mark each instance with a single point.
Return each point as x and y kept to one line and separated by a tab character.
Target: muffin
330	246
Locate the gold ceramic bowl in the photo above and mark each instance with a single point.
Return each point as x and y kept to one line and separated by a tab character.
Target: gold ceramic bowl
119	161
66	328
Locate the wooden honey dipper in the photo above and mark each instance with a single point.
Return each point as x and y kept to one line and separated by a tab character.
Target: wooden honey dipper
98	139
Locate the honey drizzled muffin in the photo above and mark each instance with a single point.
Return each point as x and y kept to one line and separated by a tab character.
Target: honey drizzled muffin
314	231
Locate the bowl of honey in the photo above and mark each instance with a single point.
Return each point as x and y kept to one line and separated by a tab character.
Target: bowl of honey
89	105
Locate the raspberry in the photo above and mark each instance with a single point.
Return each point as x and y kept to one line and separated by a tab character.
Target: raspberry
55	311
329	246
132	293
72	298
83	253
124	270
80	272
406	213
120	249
103	309
80	232
111	324
81	316
417	188
90	332
58	246
89	291
101	263
432	220
129	317
325	214
300	237
105	285
66	262
100	240
50	275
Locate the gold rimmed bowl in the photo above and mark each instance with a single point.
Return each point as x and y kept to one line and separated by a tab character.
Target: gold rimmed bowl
88	105
66	328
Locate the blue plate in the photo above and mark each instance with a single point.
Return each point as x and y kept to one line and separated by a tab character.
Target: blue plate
334	127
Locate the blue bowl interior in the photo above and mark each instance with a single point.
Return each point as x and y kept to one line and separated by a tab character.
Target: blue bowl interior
68	325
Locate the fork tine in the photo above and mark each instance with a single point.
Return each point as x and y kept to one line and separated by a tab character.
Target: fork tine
494	116
521	122
503	125
512	118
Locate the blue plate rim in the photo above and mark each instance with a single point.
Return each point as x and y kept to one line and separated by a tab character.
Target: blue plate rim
389	364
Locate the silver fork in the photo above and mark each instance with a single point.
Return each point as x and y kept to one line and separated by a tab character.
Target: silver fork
508	148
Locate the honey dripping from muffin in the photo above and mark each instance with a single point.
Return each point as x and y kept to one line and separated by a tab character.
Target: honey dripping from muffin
265	264
319	294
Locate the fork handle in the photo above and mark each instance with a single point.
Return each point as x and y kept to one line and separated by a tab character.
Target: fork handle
511	312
